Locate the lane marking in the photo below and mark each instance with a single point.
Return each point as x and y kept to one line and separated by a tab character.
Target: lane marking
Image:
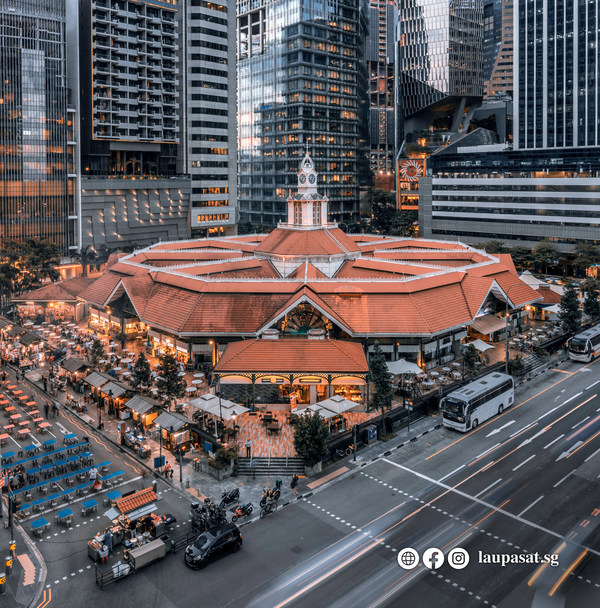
485	504
502	427
486	489
523	429
531	505
562	371
554	441
583	444
488	450
462	466
576	425
587	388
567	475
590	457
524	462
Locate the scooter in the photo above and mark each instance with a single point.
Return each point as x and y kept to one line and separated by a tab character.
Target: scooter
229	497
242	511
275	493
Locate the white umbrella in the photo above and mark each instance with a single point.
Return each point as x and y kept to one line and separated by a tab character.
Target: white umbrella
323	412
480	345
337	404
402	366
199	375
191	389
197	381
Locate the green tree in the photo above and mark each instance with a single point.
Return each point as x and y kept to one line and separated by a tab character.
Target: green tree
515	365
403	223
379	376
522	257
141	374
585	256
169	383
85	257
383	210
310	438
492	246
591	304
569	312
97	353
470	358
545	253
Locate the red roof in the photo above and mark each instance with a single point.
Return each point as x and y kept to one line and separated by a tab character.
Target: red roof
63	291
134	501
293	355
323	242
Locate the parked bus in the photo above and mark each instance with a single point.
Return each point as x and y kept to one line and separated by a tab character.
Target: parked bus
469	406
585	346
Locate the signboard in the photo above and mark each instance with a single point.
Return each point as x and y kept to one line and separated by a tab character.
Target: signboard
411	170
2	481
159	461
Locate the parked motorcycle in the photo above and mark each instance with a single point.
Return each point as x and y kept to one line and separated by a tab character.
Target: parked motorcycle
242	511
229	497
274	494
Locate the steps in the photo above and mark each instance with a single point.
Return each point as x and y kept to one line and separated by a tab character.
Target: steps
275	467
531	363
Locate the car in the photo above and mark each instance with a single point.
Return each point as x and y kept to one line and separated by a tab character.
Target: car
216	541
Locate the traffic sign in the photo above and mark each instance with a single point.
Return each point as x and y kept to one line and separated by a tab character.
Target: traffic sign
2	482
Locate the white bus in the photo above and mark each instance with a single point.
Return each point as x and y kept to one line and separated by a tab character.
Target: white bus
469	406
586	345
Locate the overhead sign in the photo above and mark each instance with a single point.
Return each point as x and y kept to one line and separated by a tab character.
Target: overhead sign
411	170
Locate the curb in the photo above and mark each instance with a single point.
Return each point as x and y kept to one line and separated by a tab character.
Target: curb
43	570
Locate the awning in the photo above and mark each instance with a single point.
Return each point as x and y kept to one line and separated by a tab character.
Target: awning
4	323
95	379
352	380
169	419
235	380
73	364
117	389
210	403
337	404
480	345
139	404
403	367
28	338
16	330
488	324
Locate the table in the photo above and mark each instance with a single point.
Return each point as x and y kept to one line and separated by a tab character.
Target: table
23	432
39	526
44	427
89	506
15	416
64	516
69	438
48	444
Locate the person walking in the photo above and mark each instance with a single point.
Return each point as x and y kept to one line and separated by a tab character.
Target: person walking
46	409
55	409
294	484
248	448
93	474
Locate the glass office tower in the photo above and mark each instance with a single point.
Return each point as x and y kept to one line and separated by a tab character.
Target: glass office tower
36	194
301	84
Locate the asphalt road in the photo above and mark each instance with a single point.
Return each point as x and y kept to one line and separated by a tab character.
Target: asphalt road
525	483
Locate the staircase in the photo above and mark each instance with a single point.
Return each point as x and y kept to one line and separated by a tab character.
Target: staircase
274	467
531	363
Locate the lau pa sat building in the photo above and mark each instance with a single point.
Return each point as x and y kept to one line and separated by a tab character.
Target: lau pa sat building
294	314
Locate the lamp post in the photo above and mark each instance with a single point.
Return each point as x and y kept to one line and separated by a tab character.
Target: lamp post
506	326
233	417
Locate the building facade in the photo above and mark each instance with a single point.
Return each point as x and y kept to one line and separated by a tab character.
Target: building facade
37	139
498	41
209	132
383	16
301	84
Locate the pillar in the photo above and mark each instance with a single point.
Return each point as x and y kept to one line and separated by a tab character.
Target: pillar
313	394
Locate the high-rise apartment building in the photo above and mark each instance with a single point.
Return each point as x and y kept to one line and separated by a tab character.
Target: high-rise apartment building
498	40
557	74
383	16
301	84
209	131
127	69
37	198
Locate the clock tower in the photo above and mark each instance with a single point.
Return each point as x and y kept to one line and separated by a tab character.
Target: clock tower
307	209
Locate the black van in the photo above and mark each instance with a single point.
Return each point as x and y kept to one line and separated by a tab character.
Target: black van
224	538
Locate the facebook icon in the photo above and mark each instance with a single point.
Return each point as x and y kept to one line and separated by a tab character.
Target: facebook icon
433	558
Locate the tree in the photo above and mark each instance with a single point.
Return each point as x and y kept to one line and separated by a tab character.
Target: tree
569	312
169	383
383	210
97	353
591	305
403	223
85	257
522	257
515	365
310	438
492	246
382	397
545	253
470	358
141	375
586	256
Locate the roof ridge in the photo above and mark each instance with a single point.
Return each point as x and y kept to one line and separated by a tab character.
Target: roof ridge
192	309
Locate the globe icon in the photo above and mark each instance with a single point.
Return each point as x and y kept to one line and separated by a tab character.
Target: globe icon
408	558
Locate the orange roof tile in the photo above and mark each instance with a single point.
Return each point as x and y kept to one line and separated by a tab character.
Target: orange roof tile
62	291
134	501
293	355
287	241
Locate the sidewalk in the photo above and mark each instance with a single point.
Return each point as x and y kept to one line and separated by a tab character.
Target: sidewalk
24	585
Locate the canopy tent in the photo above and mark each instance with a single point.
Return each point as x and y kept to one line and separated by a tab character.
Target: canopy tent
323	412
210	403
480	345
337	404
236	410
402	366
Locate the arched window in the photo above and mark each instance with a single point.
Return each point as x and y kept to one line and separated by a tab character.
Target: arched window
316	213
297	213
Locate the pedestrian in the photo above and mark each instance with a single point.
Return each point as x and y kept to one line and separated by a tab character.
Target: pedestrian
294	484
108	540
45	380
168	471
93	474
46	408
55	409
248	448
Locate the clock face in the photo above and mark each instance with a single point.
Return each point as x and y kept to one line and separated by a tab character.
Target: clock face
303	179
312	178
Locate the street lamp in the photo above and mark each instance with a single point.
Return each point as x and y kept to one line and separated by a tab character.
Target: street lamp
506	325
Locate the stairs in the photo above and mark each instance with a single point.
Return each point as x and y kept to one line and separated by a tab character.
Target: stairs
274	467
530	363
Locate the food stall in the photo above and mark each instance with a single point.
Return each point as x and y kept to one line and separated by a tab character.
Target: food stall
144	410
134	439
175	431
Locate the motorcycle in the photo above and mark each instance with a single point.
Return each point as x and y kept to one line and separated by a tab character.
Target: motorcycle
229	497
274	494
242	511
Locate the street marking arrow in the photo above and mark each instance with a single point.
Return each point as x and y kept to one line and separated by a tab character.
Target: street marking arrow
565	454
502	427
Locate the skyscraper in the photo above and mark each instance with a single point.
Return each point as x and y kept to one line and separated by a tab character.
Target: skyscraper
498	41
36	156
209	131
556	75
301	84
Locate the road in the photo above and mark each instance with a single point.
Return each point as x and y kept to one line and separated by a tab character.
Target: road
522	484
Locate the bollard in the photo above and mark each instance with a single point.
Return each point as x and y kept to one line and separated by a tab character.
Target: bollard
12	547
8	564
2	583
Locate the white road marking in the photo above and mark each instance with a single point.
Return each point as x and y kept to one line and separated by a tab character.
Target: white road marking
573	397
550	411
521	430
490	486
502	427
555	440
531	505
587	388
576	425
488	450
524	462
590	457
567	452
567	475
462	466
